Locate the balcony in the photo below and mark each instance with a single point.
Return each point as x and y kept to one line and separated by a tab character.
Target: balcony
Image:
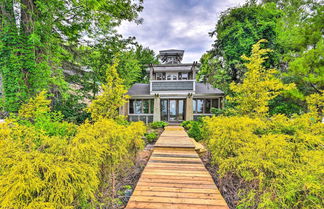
158	86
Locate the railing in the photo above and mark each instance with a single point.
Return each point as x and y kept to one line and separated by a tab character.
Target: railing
146	118
172	85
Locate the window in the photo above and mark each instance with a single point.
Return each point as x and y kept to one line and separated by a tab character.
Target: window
200	106
164	109
207	105
184	76
141	106
160	76
131	106
194	106
215	103
138	106
151	106
203	106
146	106
172	76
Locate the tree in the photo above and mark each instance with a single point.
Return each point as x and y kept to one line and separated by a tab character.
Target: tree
212	71
40	38
259	86
300	33
113	96
236	31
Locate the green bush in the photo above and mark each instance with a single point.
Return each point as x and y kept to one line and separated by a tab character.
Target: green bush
150	137
186	124
195	130
158	124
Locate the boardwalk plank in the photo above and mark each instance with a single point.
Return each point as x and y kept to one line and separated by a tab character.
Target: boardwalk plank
175	177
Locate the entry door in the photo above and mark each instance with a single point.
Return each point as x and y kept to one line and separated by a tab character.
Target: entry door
172	110
176	109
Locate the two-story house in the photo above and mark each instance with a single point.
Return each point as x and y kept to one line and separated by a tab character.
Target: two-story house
172	94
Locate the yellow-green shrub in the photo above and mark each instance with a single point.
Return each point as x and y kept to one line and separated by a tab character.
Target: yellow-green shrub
280	158
46	163
36	171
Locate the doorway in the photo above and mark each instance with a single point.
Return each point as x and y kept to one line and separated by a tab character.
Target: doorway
172	110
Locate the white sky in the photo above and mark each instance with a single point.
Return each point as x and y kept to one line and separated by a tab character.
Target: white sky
178	24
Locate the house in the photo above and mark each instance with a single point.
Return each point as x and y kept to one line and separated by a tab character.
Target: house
172	94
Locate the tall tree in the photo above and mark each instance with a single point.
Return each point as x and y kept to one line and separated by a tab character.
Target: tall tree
113	96
38	37
237	30
259	86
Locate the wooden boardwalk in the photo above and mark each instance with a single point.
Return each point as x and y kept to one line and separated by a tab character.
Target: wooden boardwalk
175	177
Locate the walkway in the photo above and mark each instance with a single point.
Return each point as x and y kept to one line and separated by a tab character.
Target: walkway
175	177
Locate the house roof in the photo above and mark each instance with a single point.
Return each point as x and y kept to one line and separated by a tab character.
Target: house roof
139	89
144	89
206	88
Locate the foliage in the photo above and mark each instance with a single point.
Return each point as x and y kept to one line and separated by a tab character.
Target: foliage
315	104
212	71
109	147
186	124
41	38
158	124
133	64
279	158
37	114
301	36
259	85
286	105
236	31
113	96
128	68
193	129
73	109
294	32
40	168
145	56
150	137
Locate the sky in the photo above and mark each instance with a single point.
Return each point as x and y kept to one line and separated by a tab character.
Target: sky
178	24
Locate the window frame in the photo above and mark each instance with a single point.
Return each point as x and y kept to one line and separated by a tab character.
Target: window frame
132	106
212	101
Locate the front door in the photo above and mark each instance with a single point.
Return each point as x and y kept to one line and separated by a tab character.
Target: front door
172	110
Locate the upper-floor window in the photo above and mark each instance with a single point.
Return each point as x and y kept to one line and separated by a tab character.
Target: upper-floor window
160	76
173	76
183	76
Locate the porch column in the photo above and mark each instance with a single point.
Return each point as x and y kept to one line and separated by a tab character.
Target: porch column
123	110
189	110
157	108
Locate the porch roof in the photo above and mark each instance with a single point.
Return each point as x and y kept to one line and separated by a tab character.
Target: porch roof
139	89
206	88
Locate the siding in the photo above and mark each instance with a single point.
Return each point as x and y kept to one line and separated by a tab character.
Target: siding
172	86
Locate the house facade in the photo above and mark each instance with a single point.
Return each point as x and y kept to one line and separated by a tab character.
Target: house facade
172	94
